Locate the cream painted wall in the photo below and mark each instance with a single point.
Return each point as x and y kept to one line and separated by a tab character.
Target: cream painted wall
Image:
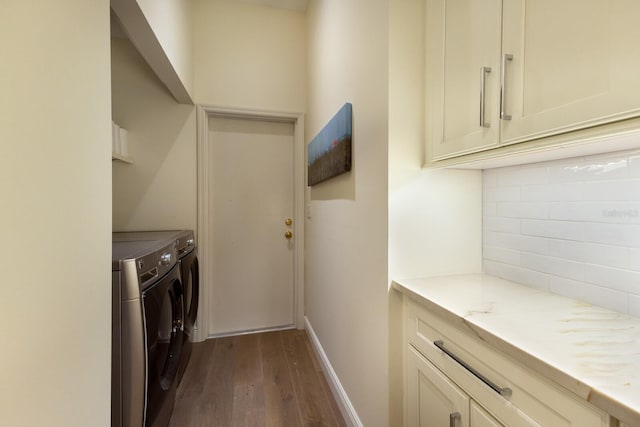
55	219
435	216
346	236
406	90
171	22
249	56
159	191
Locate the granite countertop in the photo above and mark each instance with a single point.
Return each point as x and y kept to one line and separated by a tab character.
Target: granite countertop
590	351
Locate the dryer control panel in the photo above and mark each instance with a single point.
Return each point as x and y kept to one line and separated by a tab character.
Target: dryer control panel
156	264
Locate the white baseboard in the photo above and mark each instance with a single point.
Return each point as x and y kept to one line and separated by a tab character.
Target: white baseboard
347	409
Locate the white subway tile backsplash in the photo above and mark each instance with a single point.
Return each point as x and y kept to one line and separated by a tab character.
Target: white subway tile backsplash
634	305
489	209
590	169
634	259
554	266
620	212
508	256
623	190
567	211
613	278
501	194
613	234
634	165
553	192
607	212
526	277
490	178
523	210
596	295
612	256
501	224
566	230
567	249
489	237
521	243
490	267
518	175
569	226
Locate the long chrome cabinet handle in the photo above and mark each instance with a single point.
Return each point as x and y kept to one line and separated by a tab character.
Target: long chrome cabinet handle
502	391
453	419
483	74
503	89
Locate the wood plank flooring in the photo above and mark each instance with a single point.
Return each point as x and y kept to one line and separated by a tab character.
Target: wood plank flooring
270	379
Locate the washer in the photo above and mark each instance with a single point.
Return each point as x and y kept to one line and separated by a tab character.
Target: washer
190	273
147	332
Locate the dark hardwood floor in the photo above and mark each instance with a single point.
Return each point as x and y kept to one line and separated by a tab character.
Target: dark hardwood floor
270	379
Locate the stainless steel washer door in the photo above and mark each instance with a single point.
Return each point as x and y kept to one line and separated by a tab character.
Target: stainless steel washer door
163	334
191	286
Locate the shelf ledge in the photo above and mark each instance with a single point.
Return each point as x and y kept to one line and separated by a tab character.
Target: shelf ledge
121	158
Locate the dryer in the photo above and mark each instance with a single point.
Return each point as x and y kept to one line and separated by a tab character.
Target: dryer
190	274
147	336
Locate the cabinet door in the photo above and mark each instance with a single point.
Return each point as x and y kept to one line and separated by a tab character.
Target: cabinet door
575	65
481	418
432	399
463	51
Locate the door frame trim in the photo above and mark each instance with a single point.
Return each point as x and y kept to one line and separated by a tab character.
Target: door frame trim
204	113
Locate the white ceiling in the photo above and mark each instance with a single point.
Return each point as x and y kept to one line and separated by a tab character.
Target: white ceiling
284	4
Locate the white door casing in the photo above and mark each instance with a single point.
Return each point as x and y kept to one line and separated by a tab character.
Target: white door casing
226	301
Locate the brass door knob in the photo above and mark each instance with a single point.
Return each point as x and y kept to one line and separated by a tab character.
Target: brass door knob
288	234
288	221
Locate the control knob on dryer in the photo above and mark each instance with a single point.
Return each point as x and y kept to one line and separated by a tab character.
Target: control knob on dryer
165	259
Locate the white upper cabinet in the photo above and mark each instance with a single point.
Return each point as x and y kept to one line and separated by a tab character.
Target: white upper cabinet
505	71
575	65
463	74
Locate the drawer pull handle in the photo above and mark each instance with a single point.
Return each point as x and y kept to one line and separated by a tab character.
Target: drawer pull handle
505	392
453	419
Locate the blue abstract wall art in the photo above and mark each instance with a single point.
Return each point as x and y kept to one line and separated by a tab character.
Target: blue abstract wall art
329	153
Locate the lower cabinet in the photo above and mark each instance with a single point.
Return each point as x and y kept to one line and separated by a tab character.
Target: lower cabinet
453	379
481	418
434	401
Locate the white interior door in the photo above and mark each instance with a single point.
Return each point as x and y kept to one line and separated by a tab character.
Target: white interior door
251	196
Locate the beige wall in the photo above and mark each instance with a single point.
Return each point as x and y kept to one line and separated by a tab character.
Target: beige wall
346	236
435	216
159	191
249	56
55	220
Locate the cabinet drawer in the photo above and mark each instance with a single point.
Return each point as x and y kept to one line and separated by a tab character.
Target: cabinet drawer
543	402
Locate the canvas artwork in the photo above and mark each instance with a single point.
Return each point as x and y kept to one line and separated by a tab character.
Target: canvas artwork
329	153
